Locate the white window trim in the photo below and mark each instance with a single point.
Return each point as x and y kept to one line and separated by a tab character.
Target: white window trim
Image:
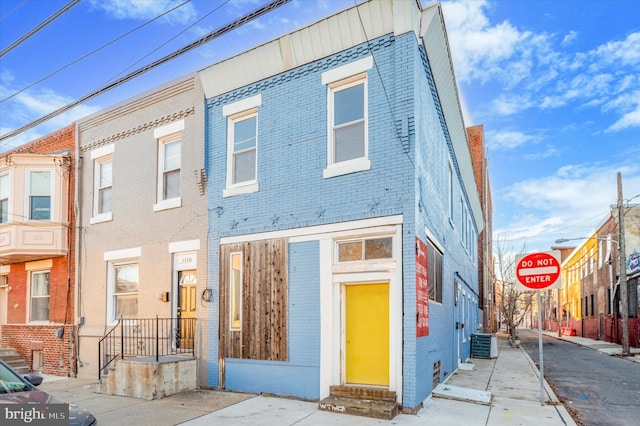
349	74
106	216
27	193
167	138
37	270
233	112
111	284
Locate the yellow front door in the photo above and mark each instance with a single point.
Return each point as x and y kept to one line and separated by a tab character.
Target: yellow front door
367	334
187	309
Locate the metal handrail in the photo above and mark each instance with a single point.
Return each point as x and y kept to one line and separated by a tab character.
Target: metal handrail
146	337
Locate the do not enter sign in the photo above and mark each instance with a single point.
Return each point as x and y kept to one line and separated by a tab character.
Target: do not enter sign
538	271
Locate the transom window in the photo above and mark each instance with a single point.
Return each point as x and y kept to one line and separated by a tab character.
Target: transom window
39	296
365	249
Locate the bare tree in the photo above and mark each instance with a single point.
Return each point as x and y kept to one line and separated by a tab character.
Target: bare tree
514	302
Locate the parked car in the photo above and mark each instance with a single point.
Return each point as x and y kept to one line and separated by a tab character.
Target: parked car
17	389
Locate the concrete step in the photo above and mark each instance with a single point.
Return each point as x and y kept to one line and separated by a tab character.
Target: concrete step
14	360
360	407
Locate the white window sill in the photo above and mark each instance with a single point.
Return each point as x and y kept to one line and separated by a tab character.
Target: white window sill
167	204
243	189
102	217
346	167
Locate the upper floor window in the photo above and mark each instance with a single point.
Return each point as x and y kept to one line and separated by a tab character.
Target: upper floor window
169	165
170	159
242	146
40	195
4	198
102	183
450	190
347	147
39	309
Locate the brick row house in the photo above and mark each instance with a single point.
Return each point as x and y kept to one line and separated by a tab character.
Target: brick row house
312	203
37	252
589	300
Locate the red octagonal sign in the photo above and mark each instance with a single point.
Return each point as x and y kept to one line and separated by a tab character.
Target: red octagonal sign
537	271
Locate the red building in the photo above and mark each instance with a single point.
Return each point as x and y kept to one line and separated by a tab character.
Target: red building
37	241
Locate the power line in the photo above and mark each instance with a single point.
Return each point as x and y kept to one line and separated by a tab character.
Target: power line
39	27
193	45
92	52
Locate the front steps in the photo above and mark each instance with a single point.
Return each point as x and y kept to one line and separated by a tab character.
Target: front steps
361	401
11	357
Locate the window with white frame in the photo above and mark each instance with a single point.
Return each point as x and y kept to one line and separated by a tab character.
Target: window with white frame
235	308
4	198
39	308
368	249
434	271
169	139
169	170
242	146
39	194
123	291
347	106
103	185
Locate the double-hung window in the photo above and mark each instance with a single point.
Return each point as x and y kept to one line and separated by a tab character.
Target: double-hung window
242	146
347	130
125	293
169	165
39	309
4	198
40	195
122	283
102	183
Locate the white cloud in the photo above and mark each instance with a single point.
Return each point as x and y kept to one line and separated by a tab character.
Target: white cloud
147	9
507	139
630	119
569	38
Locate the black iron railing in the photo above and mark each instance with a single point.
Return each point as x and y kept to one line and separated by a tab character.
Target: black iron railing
146	337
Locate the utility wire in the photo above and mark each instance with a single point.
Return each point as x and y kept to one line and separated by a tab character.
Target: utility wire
39	27
93	51
203	40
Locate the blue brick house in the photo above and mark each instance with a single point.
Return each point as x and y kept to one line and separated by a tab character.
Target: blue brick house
343	210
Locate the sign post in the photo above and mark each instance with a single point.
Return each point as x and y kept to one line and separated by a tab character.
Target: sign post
539	271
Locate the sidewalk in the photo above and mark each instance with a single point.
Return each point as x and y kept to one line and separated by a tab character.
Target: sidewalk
599	345
484	392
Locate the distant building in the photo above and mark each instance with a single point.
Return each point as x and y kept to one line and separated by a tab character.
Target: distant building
37	253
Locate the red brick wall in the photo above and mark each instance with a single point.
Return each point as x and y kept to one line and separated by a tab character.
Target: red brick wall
27	338
18	333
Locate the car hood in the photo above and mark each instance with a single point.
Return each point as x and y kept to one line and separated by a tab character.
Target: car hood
77	416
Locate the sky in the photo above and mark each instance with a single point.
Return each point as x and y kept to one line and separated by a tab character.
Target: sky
555	84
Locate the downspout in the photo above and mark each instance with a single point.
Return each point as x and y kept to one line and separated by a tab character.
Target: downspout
78	253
